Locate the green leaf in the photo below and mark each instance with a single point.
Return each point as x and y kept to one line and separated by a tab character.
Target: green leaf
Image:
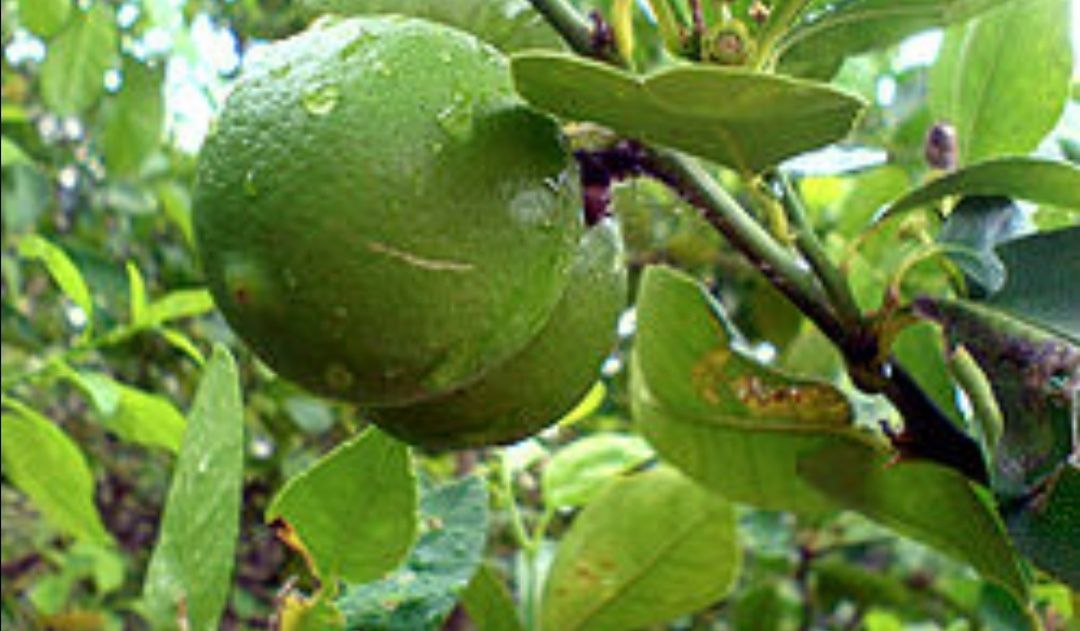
838	580
1033	375
1040	287
489	604
43	462
648	549
759	607
920	349
135	119
134	415
1044	528
420	594
175	203
508	25
978	224
73	74
63	271
734	425
11	153
580	470
870	190
985	84
182	343
930	503
353	513
318	613
175	305
137	304
190	572
1035	179
741	119
832	31
44	18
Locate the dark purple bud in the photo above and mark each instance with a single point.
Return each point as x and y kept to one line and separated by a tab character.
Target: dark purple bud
940	149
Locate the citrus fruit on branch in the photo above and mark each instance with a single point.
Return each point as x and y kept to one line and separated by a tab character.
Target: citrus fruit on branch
383	220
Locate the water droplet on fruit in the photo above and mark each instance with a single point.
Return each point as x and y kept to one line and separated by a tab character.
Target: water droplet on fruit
456	119
380	68
445	57
250	189
338	376
322	100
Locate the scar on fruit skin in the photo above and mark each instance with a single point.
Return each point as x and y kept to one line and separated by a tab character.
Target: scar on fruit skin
434	265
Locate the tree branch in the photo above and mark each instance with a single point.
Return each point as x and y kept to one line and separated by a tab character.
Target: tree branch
928	433
836	286
746	235
576	30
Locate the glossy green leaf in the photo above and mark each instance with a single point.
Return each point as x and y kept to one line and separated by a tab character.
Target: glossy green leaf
353	514
488	603
190	572
741	119
43	462
985	84
1045	527
135	119
577	472
734	425
134	415
927	502
1041	285
63	271
1033	376
73	74
649	548
1034	179
44	17
420	594
832	31
508	25
978	224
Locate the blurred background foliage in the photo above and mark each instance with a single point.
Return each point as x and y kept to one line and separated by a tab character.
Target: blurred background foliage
105	104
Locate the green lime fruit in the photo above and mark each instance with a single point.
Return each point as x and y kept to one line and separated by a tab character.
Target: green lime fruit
379	216
541	382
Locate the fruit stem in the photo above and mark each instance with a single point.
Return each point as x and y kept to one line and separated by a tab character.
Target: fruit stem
528	545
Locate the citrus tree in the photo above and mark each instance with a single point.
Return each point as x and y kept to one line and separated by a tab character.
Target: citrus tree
558	315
